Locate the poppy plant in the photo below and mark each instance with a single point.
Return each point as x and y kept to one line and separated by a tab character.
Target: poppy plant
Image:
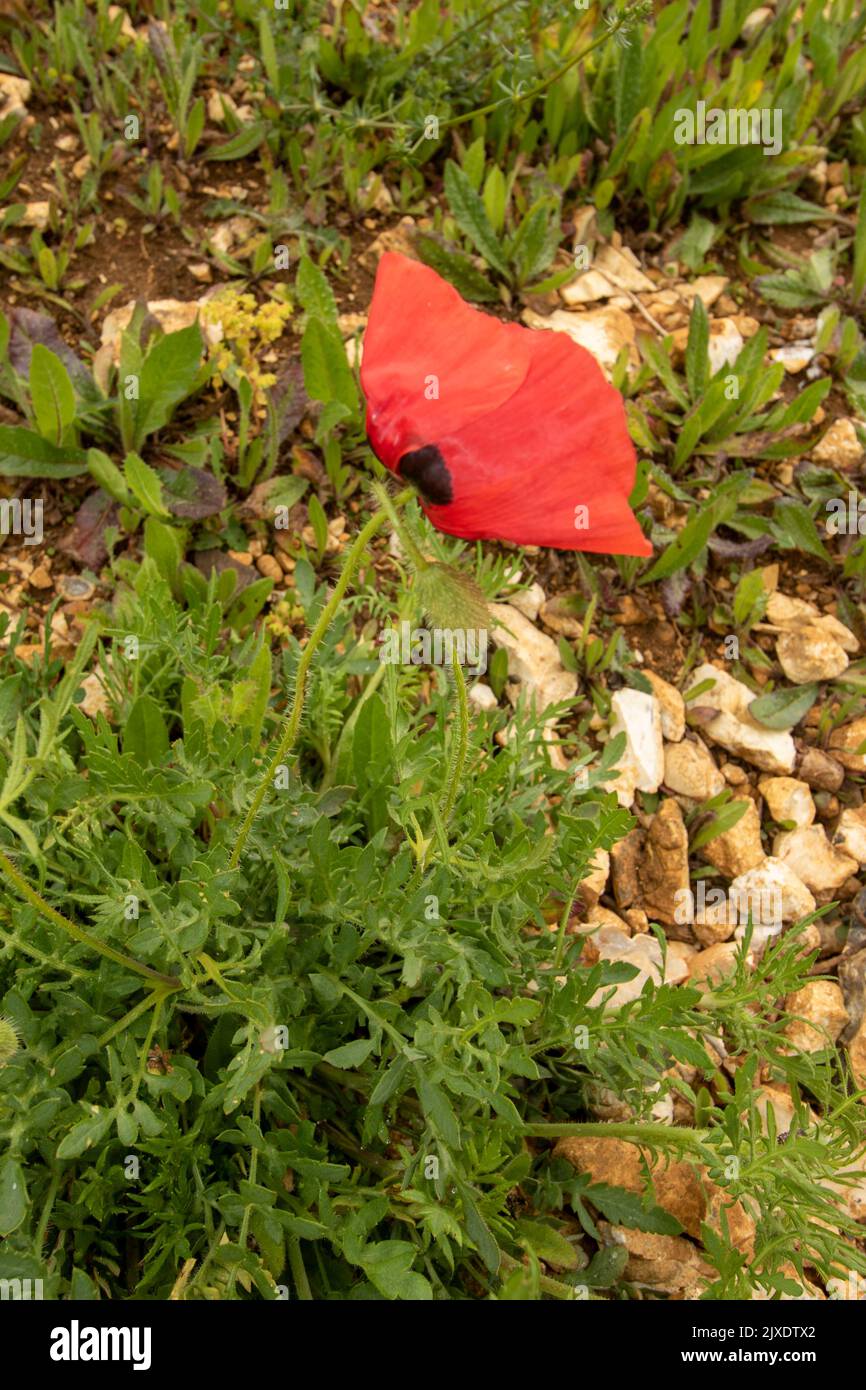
507	433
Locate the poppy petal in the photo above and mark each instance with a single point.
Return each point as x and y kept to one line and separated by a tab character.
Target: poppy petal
526	439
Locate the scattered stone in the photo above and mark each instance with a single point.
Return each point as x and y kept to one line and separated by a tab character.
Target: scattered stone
788	614
621	267
270	568
809	654
788	800
823	773
603	332
171	314
644	953
625	858
96	699
36	215
711	966
40	577
663	869
690	771
232	232
637	920
561	615
684	1191
529	602
794	357
641	765
814	860
820	1015
739	849
595	882
482	697
201	271
725	343
400	238
14	94
840	446
706	287
587	288
603	917
672	706
734	775
849	745
665	1264
771	894
74	587
850	834
735	729
533	657
82	166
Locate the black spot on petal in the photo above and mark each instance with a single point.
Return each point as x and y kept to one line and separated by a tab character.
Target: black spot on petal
426	468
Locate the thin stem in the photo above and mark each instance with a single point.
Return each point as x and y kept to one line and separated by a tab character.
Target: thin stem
458	759
532	92
299	1273
403	533
78	933
293	722
254	1166
662	1136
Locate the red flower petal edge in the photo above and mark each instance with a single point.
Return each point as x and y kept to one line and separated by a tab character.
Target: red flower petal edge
508	433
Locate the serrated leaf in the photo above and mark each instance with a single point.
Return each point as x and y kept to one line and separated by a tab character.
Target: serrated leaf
467	209
625	1208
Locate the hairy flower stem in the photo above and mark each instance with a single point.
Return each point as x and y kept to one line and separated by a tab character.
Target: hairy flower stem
293	722
651	1135
78	933
461	747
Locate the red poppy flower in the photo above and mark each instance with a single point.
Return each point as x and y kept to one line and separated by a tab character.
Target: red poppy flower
508	434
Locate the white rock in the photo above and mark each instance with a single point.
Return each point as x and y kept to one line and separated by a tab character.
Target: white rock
14	93
529	601
642	764
534	661
848	744
171	314
787	614
36	215
850	834
810	654
813	859
603	332
788	800
772	894
793	356
622	269
706	287
645	953
673	707
587	288
482	697
725	345
690	771
735	729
